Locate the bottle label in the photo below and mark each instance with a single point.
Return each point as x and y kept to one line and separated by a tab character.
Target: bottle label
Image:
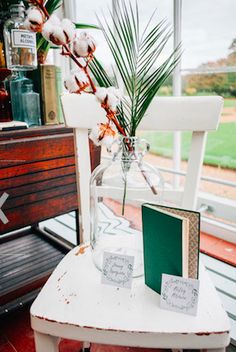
22	38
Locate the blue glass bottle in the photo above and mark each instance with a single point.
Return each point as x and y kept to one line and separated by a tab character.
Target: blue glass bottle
15	84
31	105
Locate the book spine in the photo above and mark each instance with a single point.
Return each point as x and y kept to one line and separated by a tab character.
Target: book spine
59	93
49	95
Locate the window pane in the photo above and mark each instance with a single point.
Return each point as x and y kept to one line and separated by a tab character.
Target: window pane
86	12
208	31
209	68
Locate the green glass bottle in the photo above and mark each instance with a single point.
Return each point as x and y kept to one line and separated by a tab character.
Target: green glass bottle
31	105
15	85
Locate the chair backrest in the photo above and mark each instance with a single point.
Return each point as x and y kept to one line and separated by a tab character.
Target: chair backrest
196	114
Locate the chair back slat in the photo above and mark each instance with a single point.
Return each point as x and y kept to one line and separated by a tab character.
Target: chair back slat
183	114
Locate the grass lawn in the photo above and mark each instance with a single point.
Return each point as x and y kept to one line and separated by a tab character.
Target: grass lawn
229	103
220	149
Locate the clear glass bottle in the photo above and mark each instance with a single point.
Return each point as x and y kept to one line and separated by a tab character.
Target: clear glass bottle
15	85
31	104
117	191
20	44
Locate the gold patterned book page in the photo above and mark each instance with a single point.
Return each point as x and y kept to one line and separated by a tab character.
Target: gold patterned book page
194	237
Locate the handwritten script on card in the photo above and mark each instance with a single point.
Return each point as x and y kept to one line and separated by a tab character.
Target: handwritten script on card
179	294
117	269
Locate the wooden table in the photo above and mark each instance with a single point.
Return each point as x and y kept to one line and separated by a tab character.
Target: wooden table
74	304
37	172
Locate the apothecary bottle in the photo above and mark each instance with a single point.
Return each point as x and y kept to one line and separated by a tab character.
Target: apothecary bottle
20	44
31	105
15	85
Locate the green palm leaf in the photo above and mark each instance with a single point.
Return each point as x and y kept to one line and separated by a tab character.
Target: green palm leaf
85	26
136	55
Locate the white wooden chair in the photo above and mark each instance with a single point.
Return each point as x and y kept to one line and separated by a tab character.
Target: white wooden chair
73	304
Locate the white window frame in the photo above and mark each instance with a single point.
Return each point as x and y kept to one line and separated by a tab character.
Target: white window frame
216	206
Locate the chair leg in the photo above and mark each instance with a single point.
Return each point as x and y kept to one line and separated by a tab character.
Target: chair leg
44	342
86	347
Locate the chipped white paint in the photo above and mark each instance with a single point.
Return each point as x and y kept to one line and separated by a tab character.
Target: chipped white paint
74	304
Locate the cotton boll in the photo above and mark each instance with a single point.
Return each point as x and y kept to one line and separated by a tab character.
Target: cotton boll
34	20
34	15
71	85
111	94
49	25
69	28
84	45
86	37
28	25
112	102
77	81
58	36
80	76
80	48
58	32
94	135
103	134
115	92
101	94
107	141
54	20
47	30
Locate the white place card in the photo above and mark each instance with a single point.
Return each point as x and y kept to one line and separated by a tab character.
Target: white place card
179	294
117	269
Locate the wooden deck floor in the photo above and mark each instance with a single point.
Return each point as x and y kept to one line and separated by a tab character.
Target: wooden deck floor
222	275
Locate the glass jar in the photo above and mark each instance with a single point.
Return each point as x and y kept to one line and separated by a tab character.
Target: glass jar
117	190
31	105
20	44
15	85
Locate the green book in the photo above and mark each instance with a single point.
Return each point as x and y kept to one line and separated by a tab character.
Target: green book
59	93
171	243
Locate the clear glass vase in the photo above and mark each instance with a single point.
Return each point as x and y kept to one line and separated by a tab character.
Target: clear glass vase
117	190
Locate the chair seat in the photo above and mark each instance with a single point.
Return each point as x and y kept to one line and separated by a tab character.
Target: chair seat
74	304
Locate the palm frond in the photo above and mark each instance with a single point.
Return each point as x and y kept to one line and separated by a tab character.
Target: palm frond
53	5
85	26
136	56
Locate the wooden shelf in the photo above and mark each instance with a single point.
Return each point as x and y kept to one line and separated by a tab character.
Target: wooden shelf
27	260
